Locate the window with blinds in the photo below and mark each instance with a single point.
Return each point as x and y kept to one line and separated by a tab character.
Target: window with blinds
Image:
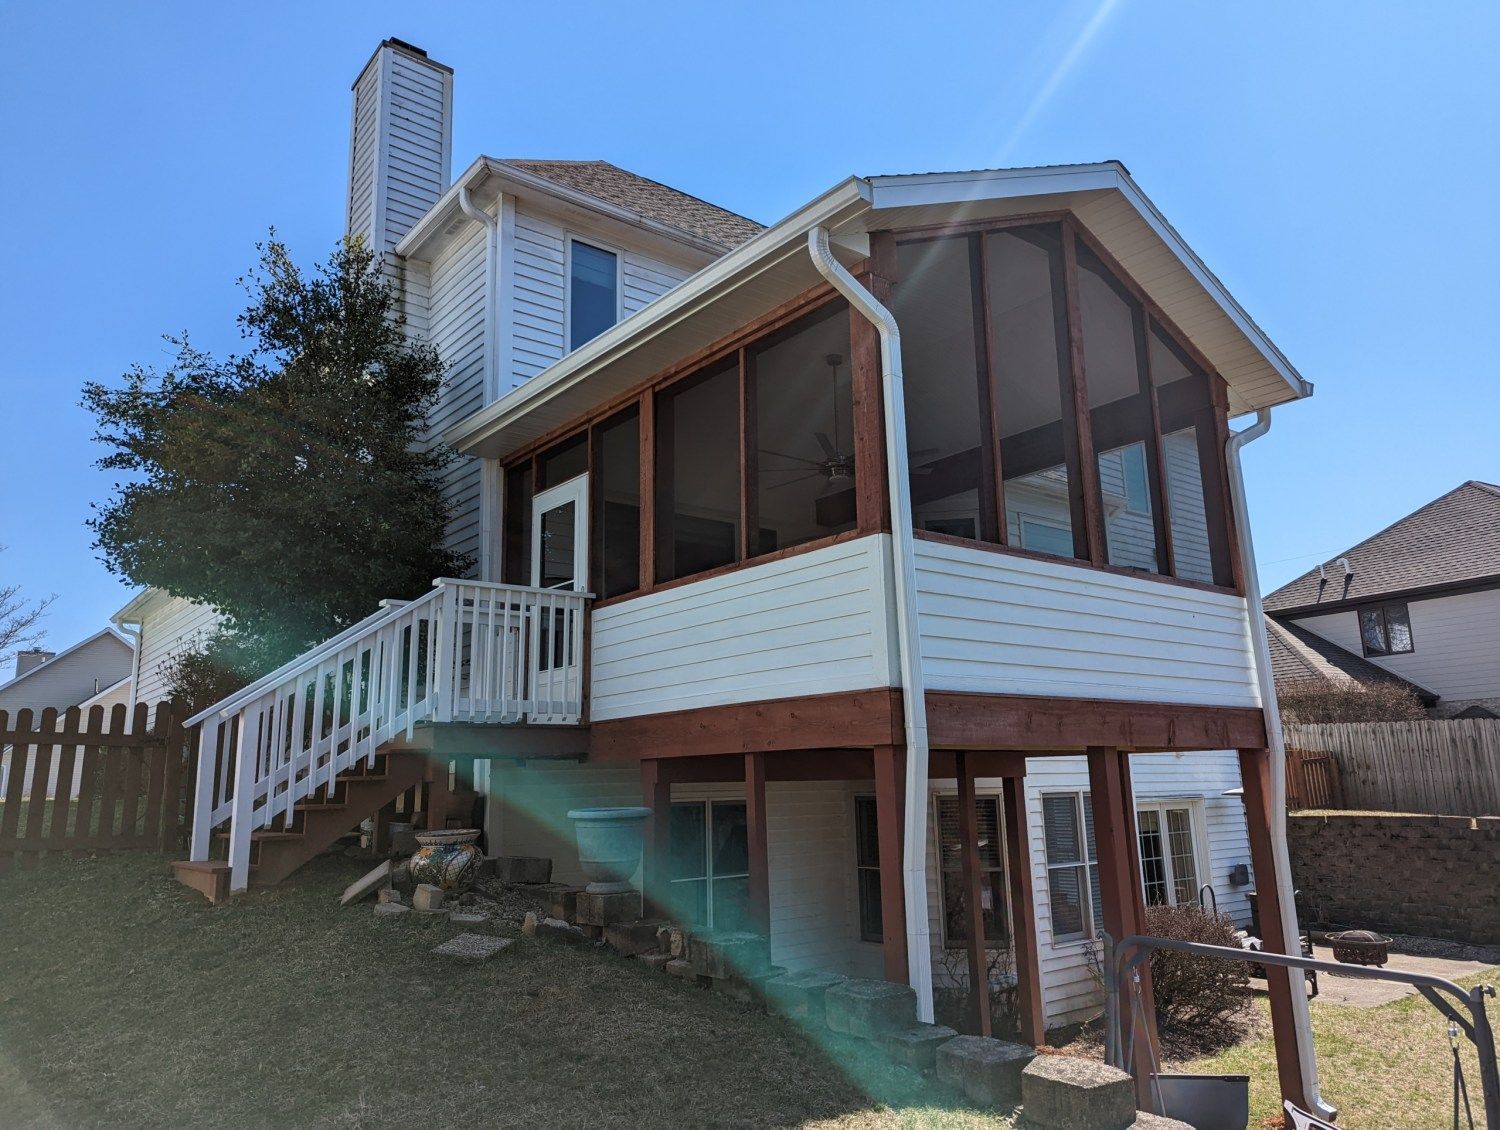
991	872
1072	868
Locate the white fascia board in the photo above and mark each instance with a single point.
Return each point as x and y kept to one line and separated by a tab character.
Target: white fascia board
942	188
777	243
136	608
518	182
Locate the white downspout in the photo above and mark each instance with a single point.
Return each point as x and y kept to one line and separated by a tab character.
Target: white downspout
490	494
1306	1053
913	685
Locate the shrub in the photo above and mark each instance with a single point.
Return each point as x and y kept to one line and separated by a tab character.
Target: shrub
1194	992
1310	701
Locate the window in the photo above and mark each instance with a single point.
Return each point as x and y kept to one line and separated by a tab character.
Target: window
593	292
867	869
1072	870
1169	858
1043	536
698	473
616	547
991	872
1385	630
710	864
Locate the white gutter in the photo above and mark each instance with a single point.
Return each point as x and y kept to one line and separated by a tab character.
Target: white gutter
913	685
1285	892
491	225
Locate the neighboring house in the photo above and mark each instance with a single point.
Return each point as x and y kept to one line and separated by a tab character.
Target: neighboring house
164	626
93	672
708	584
1418	602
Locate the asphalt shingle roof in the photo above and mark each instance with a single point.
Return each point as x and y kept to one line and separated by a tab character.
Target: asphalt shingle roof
1299	656
1451	540
648	198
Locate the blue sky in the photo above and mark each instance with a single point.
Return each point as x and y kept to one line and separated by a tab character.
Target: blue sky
1336	165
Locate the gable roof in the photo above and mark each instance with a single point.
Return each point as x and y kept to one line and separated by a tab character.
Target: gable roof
58	659
648	198
1451	541
1299	656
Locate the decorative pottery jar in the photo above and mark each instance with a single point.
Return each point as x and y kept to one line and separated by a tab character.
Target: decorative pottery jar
448	859
609	846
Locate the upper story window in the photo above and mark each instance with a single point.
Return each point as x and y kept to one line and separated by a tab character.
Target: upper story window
1098	441
593	291
1385	630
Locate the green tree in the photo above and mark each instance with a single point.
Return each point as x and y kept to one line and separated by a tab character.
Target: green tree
290	487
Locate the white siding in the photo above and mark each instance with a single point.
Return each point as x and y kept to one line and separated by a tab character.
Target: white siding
995	623
815	623
169	627
1455	643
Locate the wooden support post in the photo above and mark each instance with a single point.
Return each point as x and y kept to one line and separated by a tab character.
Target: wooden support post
656	794
890	777
439	796
1255	776
380	828
873	503
755	835
1023	915
968	834
1119	889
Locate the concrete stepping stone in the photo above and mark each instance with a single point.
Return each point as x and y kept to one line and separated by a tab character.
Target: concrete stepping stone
1063	1092
473	947
800	995
871	1009
468	918
391	909
987	1071
917	1047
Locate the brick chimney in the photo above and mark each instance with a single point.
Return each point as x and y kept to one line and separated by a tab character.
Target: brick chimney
401	143
31	659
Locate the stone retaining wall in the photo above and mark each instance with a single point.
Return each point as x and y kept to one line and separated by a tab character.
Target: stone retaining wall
1432	876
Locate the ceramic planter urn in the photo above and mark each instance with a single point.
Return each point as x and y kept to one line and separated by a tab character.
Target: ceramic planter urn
609	846
448	859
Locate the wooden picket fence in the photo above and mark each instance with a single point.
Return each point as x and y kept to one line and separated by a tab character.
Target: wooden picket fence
1448	768
96	782
1312	779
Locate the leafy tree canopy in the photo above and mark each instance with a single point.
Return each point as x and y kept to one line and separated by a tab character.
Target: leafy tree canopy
290	487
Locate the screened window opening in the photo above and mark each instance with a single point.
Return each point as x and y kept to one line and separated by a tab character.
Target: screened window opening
563	461
1072	869
710	864
867	868
593	292
991	872
1169	861
801	432
698	473
1385	630
616	547
515	562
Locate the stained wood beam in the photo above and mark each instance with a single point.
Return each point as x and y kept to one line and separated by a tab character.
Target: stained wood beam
656	793
1021	722
890	778
1018	878
755	835
968	835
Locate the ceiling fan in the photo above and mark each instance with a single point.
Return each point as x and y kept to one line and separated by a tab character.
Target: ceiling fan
836	466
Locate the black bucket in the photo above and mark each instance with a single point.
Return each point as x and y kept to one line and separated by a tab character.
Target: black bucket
1206	1102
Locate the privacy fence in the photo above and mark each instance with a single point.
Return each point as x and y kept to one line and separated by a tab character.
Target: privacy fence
1449	768
97	781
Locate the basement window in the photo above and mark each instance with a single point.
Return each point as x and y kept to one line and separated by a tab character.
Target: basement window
1072	870
867	869
593	292
1385	630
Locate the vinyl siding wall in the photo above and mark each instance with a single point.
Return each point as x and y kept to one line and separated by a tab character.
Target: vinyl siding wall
171	626
70	678
815	623
1455	641
995	623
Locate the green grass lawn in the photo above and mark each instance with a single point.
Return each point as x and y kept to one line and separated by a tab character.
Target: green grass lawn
126	1000
1388	1066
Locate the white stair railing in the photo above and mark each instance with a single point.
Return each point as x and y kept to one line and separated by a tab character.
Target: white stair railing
468	651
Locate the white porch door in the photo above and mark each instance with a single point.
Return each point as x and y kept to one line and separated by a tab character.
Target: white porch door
560	561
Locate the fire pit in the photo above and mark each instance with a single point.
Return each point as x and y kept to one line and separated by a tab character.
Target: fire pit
1360	947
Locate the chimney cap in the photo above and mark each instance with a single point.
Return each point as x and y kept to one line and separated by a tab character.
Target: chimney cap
406	49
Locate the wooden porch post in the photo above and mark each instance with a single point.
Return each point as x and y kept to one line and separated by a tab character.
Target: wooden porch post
968	835
439	796
1023	914
872	497
890	775
755	833
656	794
1255	775
1119	888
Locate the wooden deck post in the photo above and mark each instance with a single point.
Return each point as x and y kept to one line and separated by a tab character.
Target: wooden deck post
656	794
1023	915
1119	886
968	835
1255	776
439	803
755	835
890	776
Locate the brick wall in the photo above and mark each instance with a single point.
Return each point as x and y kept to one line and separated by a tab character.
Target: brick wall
1434	876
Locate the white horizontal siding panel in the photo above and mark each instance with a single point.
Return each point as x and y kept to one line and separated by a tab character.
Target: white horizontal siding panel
1003	624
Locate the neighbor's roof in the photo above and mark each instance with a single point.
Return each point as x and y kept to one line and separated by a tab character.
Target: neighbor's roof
62	655
1453	540
1299	656
648	198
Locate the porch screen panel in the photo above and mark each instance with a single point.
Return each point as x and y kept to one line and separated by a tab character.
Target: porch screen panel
616	548
950	470
803	431
563	461
1114	354
515	561
698	473
1028	334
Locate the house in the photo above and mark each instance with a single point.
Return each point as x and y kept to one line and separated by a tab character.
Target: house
894	556
164	626
93	672
1419	602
